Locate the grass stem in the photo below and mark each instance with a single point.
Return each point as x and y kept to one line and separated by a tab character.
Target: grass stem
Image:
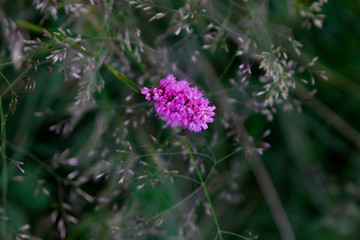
203	185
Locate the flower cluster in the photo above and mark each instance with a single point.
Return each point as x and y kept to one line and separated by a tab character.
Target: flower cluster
181	105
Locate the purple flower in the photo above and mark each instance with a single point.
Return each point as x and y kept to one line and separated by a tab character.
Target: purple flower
181	105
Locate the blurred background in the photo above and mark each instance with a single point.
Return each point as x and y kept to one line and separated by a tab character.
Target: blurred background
84	155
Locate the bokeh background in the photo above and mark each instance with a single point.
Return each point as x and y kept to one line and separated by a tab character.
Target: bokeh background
84	156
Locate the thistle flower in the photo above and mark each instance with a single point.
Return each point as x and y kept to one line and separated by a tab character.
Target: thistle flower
180	105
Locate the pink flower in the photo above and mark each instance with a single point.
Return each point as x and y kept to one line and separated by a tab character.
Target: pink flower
181	105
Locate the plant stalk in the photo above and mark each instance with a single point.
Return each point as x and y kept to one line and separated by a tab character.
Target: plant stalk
203	185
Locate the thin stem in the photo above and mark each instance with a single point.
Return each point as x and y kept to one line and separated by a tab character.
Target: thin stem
5	91
218	161
203	185
59	179
175	174
4	166
229	155
171	153
29	26
36	159
7	81
118	75
177	204
235	235
122	77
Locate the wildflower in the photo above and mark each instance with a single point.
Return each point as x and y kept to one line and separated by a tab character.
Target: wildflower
180	105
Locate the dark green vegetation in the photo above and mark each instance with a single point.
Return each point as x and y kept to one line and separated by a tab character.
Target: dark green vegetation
84	156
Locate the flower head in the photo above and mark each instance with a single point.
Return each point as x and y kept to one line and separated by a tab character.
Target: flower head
181	105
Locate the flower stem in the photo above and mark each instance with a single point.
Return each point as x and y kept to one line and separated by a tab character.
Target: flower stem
37	29
203	185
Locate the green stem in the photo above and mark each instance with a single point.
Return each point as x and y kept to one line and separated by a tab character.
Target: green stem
203	185
122	77
235	235
12	84
177	204
118	75
29	26
226	70
4	166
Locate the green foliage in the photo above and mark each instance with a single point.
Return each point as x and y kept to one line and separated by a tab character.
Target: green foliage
84	156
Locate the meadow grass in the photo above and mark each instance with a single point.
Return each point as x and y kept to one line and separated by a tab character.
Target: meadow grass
85	156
